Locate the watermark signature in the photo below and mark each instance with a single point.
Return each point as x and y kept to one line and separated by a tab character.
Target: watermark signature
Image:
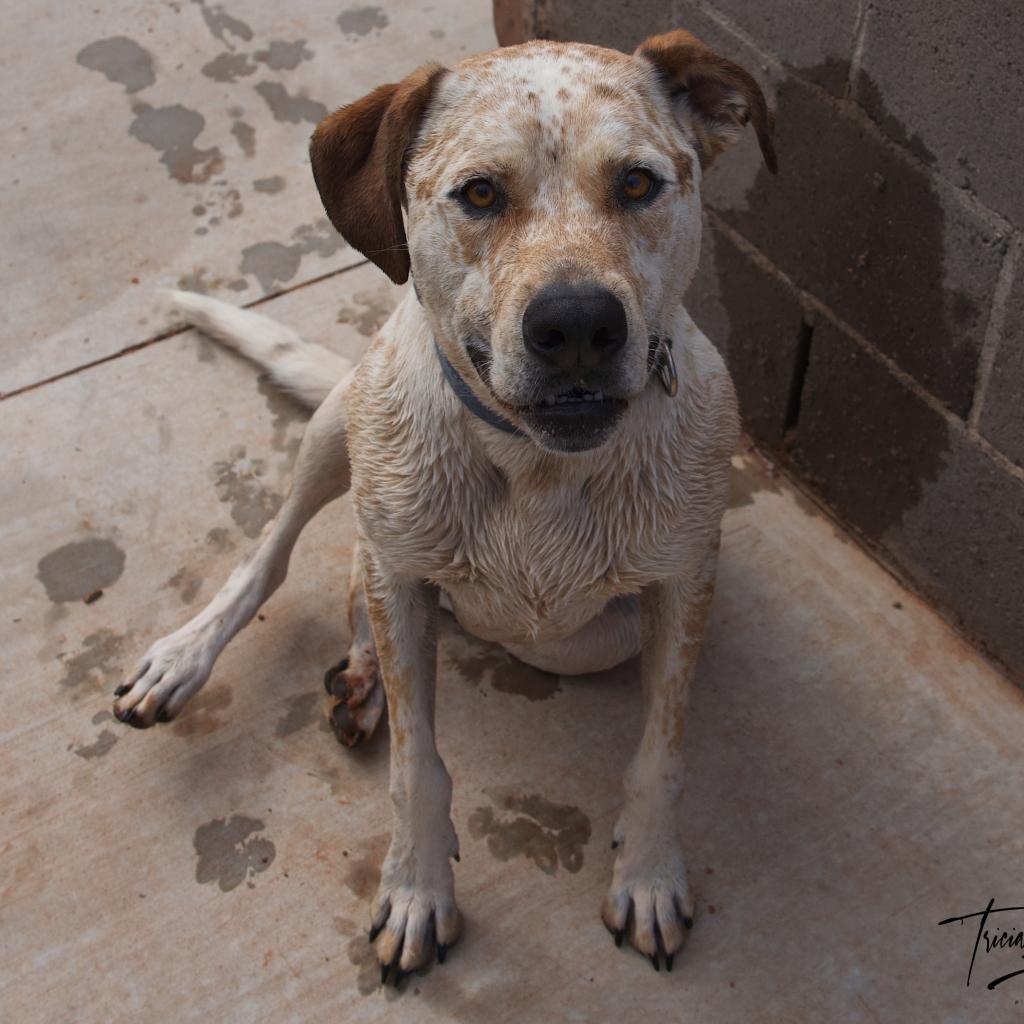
989	938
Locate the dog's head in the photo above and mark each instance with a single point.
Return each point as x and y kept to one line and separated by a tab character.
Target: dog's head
552	198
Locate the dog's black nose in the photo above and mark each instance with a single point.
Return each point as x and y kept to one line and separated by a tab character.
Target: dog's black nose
574	326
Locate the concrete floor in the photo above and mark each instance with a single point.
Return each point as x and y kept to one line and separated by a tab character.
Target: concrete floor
855	768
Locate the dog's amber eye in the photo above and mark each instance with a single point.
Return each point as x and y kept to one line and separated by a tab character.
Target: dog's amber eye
637	184
480	194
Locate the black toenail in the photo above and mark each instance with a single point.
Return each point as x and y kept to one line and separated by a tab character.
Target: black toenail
122	690
618	935
653	957
687	922
376	930
345	727
442	952
668	962
384	968
331	675
163	715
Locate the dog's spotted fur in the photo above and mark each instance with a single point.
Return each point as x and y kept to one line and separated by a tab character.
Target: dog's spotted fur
574	562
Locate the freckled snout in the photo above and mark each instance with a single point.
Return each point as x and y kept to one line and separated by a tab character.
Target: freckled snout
573	328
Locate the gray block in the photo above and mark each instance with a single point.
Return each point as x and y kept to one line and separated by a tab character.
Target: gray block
920	488
621	26
755	322
867	231
1002	414
805	34
952	72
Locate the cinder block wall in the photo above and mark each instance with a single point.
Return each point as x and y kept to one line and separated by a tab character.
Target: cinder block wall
870	299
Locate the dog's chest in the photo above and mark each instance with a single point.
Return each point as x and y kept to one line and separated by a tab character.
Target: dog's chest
538	562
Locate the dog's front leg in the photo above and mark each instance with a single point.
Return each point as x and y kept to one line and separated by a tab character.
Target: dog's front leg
649	900
414	914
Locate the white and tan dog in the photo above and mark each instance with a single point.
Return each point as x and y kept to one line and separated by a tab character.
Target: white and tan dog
539	432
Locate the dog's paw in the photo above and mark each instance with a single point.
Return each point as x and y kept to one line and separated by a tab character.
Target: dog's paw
355	697
415	919
649	901
171	671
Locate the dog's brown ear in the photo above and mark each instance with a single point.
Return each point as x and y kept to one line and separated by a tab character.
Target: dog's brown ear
357	155
719	95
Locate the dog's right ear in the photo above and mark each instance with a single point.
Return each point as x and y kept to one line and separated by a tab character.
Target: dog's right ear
358	154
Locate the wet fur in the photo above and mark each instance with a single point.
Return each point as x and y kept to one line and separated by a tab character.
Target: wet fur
573	562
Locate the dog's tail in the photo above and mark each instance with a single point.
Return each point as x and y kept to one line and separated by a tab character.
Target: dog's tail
306	370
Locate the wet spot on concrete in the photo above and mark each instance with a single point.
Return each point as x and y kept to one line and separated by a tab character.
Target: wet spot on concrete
103	744
345	926
221	24
187	583
100	717
270	186
362	874
320	238
206	351
233	201
301	712
529	826
287	411
274	263
196	281
270	262
173	131
367	311
477	660
745	482
361	954
97	664
238	483
286	107
201	715
76	570
219	538
245	136
228	851
228	67
282	56
238	285
437	33
122	60
360	21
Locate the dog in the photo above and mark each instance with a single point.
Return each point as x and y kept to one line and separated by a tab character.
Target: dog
539	436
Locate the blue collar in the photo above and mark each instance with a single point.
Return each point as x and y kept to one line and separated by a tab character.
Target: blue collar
470	401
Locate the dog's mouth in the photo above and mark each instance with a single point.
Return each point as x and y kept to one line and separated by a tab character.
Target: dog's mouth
574	401
574	419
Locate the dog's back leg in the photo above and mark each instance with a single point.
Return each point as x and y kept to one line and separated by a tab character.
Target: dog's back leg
177	666
356	696
308	371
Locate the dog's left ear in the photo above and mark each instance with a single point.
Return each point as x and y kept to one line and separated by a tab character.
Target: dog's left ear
357	155
719	96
